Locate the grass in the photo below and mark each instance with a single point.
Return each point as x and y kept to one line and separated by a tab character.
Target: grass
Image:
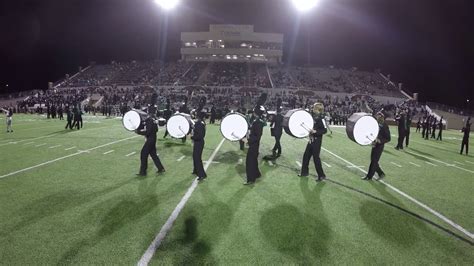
90	208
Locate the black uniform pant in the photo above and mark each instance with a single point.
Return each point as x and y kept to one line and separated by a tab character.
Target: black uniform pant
198	168
166	133
374	161
242	145
251	163
433	134
69	124
277	146
423	132
313	150
417	129
401	137
407	138
149	149
440	135
465	142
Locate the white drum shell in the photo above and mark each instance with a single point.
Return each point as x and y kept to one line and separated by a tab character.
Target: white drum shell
297	122
362	128
133	119
179	125
234	127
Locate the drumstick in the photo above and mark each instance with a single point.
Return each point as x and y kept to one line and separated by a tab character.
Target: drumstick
303	125
181	130
233	135
369	138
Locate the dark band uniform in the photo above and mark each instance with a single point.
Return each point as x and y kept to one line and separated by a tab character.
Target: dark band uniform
277	131
167	115
382	138
69	116
199	133
465	139
313	148
251	163
401	131
149	148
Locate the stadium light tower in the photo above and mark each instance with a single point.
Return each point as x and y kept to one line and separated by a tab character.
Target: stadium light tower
167	4
304	5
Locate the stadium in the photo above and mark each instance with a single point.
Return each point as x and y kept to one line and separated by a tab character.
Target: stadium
74	188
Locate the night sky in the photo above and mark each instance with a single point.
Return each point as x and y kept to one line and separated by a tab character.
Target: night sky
427	44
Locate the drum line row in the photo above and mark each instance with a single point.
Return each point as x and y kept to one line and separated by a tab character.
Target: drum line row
361	128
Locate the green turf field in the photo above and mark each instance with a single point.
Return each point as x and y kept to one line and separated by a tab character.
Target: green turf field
72	197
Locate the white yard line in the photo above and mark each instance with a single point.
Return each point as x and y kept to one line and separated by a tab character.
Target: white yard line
130	154
431	163
469	162
417	165
107	152
328	165
298	163
64	157
436	160
181	158
39	145
146	257
68	149
458	163
56	146
396	164
422	205
354	166
29	143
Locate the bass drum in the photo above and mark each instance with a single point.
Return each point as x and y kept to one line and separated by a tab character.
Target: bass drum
179	125
297	123
234	127
134	119
362	128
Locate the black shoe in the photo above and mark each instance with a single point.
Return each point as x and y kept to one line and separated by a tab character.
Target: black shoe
302	175
381	176
161	171
319	179
396	148
366	178
249	183
141	174
201	178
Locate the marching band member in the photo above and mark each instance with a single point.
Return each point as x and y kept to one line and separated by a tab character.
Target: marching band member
149	148
313	148
401	119
256	130
9	118
440	129
167	115
277	130
199	133
465	139
377	149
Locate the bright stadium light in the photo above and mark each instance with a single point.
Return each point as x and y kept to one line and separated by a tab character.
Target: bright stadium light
304	5
167	4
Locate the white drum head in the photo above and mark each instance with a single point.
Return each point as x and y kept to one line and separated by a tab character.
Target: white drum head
178	126
234	127
299	123
131	120
366	130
